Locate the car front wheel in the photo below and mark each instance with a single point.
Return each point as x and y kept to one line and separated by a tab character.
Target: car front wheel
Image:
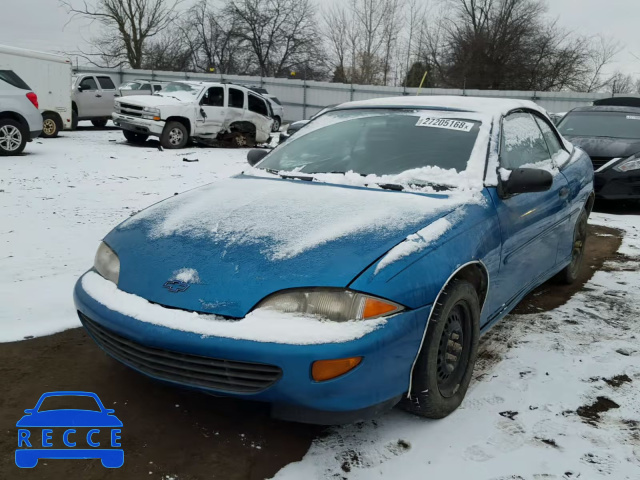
174	135
12	137
445	364
100	123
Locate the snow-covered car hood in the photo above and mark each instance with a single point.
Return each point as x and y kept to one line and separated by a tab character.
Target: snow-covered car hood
238	240
152	100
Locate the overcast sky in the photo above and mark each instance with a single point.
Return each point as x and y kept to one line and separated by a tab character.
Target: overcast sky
40	25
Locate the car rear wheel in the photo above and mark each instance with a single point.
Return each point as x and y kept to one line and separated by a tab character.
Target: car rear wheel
51	125
445	364
12	137
100	123
569	274
276	124
133	137
174	135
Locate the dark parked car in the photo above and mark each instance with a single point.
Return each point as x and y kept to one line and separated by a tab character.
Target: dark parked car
295	126
610	134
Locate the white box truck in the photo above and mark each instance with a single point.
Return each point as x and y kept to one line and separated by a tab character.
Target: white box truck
49	76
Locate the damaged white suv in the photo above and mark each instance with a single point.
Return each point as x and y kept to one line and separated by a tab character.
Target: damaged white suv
208	112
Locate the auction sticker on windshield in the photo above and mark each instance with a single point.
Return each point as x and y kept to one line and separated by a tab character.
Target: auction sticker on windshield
447	123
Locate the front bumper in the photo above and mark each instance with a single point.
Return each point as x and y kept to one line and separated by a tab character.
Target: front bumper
376	384
613	185
138	125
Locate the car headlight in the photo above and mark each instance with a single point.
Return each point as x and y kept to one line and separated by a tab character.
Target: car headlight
117	107
335	305
631	163
107	263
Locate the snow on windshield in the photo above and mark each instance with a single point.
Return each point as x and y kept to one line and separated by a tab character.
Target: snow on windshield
415	149
287	218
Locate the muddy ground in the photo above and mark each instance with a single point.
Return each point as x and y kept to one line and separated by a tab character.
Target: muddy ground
172	434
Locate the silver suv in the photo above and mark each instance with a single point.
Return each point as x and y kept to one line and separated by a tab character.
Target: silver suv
20	120
92	99
140	87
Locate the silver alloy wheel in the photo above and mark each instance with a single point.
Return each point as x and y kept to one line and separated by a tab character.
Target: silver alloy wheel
10	138
175	136
276	125
49	126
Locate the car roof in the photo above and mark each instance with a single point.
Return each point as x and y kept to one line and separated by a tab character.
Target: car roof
495	107
607	108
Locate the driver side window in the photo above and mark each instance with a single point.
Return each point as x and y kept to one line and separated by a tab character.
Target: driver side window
88	83
213	97
522	142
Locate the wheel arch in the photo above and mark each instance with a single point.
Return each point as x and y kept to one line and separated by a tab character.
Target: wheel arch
54	113
474	272
18	118
590	201
74	107
183	120
243	126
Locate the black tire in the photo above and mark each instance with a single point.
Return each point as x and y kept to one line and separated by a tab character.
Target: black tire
440	382
74	120
174	135
51	125
277	123
133	137
99	123
13	137
570	273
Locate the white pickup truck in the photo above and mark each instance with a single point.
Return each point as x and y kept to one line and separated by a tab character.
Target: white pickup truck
208	112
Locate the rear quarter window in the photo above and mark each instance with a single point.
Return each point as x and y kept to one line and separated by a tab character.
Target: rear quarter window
10	77
106	83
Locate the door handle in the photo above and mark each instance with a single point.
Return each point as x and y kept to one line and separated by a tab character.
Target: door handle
98	95
564	192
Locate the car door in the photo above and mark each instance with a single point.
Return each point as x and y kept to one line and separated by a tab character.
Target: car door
212	105
87	97
236	104
259	113
106	97
530	223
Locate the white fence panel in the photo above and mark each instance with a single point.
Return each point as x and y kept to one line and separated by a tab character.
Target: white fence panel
301	99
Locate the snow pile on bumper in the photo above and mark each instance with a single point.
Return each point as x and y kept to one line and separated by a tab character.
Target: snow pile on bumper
259	326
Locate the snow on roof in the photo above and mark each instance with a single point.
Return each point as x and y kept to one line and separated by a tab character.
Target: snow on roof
489	105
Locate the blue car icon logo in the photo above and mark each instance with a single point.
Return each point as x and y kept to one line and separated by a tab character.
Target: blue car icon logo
85	433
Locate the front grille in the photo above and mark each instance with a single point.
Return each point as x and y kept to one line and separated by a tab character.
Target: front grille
131	110
599	161
186	369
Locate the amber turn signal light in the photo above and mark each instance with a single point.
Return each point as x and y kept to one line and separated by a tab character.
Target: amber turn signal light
377	308
322	370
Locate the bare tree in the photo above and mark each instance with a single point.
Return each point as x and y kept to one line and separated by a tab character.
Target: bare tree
213	38
603	51
127	27
282	34
338	34
620	83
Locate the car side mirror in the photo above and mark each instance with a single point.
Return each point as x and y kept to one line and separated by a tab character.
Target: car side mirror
204	115
255	155
29	411
79	88
526	180
109	411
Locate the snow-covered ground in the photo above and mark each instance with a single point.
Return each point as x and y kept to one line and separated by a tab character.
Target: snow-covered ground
555	397
58	201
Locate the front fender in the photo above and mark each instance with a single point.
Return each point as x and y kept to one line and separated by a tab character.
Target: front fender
415	280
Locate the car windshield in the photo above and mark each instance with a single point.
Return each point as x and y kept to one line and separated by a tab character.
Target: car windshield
179	90
66	402
601	124
131	86
378	142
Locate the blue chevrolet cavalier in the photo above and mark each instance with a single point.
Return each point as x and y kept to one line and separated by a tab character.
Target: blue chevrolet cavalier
352	268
